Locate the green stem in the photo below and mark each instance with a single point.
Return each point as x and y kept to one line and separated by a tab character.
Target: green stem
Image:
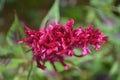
29	73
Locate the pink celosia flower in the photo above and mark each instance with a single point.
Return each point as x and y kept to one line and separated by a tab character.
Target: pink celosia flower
87	37
57	41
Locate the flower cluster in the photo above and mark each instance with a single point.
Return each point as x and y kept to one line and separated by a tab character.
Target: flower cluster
58	41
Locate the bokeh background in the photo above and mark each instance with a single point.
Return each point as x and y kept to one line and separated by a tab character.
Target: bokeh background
15	59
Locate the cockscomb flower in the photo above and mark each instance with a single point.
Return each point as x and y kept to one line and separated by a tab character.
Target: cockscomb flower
89	37
57	41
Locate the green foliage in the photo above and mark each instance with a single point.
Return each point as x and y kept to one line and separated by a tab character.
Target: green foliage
52	15
2	2
16	65
114	69
15	32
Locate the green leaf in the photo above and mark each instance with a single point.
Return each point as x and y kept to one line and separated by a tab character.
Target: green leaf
114	69
4	50
118	8
2	3
15	32
59	67
118	78
2	38
102	3
2	68
52	15
17	51
15	63
38	73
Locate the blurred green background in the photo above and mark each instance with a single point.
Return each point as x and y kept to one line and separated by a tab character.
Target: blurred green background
15	59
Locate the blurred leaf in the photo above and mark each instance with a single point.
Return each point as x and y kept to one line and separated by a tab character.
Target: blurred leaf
2	67
5	55
49	66
38	74
16	78
14	63
11	51
118	8
17	51
2	2
4	50
78	51
77	61
59	66
101	3
118	78
15	32
52	15
90	15
2	38
114	68
75	12
97	63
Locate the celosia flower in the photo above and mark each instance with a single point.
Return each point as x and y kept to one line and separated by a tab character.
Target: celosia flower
87	37
58	41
